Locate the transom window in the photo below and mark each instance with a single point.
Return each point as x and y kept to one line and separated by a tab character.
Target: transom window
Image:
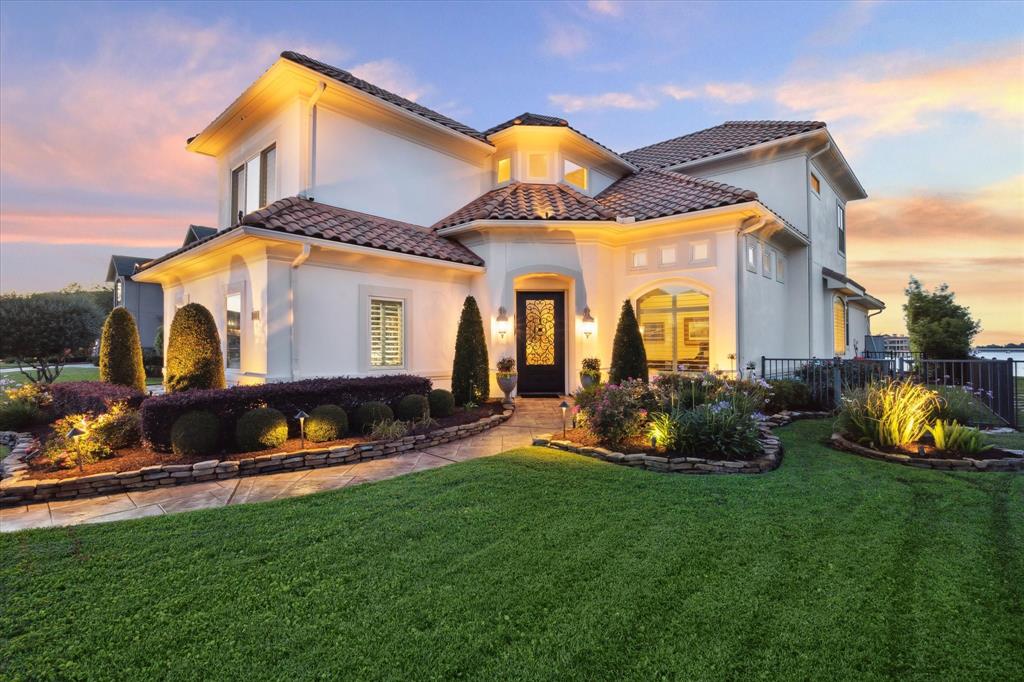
668	255
841	227
253	183
840	326
575	174
387	332
233	331
674	322
504	170
639	259
700	252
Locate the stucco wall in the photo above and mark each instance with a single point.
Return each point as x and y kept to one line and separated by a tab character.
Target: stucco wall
781	183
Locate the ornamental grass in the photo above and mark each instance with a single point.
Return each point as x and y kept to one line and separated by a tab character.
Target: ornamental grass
889	414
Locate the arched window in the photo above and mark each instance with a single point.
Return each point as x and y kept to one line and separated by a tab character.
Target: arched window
674	322
840	326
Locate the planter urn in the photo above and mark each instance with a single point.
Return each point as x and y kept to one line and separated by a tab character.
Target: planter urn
587	380
507	383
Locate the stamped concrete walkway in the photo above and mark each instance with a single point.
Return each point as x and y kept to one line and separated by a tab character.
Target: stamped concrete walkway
534	416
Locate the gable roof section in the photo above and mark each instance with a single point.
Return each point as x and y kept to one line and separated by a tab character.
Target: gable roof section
123	266
347	78
197	232
543	121
727	137
528	201
656	194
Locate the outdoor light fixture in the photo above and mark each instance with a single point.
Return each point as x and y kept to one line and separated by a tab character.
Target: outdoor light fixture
75	434
301	416
588	322
564	406
503	326
654	442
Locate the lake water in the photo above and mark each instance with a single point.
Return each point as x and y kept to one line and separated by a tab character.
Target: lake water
1016	354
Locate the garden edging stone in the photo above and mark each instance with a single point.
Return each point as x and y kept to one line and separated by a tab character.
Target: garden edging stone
1015	463
17	490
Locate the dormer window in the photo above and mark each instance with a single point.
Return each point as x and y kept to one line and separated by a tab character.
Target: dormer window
253	183
503	171
575	175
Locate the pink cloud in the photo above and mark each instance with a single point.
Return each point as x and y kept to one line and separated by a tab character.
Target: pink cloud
120	230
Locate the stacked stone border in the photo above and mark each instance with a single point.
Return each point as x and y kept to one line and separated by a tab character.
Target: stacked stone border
1013	463
16	490
769	460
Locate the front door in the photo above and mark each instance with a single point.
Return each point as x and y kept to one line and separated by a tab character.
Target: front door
540	341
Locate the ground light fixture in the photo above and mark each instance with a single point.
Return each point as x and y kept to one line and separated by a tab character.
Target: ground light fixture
302	416
75	434
502	327
564	407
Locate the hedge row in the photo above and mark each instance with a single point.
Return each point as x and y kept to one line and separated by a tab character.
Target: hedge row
75	397
160	412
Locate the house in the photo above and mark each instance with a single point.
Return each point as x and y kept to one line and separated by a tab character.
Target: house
144	301
353	224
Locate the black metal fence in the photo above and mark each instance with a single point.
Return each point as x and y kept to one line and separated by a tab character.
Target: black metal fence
996	385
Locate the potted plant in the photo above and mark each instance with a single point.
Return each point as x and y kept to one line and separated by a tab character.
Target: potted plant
590	374
507	376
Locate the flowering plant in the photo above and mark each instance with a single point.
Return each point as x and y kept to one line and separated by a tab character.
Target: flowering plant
506	366
618	412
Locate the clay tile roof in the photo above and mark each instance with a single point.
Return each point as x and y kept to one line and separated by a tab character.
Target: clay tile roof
527	201
347	78
312	219
528	119
655	194
723	138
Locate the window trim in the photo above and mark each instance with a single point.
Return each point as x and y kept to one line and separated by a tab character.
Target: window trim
366	294
237	201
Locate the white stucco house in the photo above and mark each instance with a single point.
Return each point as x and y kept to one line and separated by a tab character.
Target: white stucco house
353	223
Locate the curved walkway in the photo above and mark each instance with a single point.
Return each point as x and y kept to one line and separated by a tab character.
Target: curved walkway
534	416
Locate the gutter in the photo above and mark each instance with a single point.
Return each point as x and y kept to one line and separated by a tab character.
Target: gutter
810	249
292	275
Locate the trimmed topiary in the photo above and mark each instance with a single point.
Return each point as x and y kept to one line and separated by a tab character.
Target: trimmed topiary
121	351
194	358
195	433
261	429
629	358
442	403
470	380
413	408
373	412
327	422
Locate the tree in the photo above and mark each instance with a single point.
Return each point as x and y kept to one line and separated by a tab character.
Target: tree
194	358
41	331
938	326
101	294
470	377
121	351
629	358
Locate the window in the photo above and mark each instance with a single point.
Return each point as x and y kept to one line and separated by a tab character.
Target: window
575	174
668	255
675	324
815	184
119	291
233	331
387	333
253	183
751	254
841	225
780	268
700	252
840	326
767	261
504	170
538	165
640	259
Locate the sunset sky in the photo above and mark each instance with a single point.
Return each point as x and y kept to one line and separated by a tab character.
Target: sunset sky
925	99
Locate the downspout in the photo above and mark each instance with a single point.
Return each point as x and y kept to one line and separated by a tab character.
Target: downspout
292	275
741	269
311	169
810	248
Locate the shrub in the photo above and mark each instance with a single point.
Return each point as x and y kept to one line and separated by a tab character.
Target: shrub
888	413
121	351
85	448
442	403
370	413
470	380
749	395
327	422
962	404
591	367
629	358
15	415
194	359
43	331
619	411
117	428
413	408
195	433
672	390
160	412
95	397
153	364
261	429
388	429
789	394
711	431
952	437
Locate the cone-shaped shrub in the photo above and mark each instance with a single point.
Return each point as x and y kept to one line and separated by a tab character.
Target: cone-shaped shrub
470	380
121	351
194	358
629	359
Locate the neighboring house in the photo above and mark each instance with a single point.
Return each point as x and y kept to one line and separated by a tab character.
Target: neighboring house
896	344
144	301
730	241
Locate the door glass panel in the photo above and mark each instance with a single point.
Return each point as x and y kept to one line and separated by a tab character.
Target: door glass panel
540	331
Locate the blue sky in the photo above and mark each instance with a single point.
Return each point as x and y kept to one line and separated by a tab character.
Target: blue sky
924	98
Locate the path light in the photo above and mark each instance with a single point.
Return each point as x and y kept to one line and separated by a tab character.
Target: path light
654	441
301	416
502	326
588	322
564	406
75	434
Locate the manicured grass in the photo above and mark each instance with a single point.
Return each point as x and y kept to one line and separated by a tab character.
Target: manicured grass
536	564
73	374
1014	441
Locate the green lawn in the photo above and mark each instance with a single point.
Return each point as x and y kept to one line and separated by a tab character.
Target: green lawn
1014	441
72	374
536	564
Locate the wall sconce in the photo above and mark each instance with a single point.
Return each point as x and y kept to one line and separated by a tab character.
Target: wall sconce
588	322
503	327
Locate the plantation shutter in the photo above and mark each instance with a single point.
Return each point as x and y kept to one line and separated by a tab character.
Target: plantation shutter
387	333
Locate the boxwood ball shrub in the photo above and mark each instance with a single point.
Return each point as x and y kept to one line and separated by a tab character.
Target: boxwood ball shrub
442	403
261	429
327	422
412	408
195	433
194	358
121	351
373	412
789	394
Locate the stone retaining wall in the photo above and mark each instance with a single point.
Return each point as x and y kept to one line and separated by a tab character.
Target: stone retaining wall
1014	463
15	489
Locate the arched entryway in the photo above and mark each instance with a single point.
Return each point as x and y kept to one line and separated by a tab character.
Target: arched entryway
676	326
